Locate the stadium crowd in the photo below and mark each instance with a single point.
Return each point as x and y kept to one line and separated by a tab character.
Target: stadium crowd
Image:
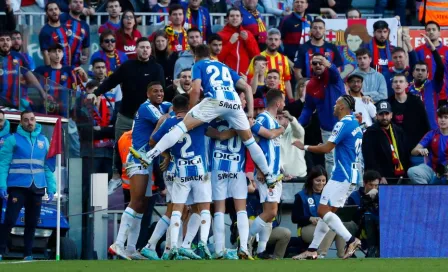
399	95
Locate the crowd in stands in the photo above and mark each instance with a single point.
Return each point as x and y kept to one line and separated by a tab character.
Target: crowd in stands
400	92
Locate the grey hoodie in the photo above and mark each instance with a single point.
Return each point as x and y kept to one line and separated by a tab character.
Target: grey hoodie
185	60
373	85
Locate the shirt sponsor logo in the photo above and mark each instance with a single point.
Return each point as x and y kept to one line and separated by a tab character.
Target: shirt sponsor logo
227	157
227	176
169	178
194	161
310	201
195	178
129	48
228	105
383	62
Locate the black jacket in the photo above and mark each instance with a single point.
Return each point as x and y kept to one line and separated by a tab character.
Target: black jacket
377	152
134	77
7	22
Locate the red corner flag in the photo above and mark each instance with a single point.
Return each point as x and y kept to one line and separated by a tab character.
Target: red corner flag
55	145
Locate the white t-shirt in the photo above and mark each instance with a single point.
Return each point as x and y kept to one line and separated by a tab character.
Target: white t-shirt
368	111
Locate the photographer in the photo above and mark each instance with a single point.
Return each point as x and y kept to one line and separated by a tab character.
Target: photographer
367	217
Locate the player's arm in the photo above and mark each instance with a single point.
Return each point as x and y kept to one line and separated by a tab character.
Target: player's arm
419	150
195	92
319	149
241	84
32	81
220	135
270	133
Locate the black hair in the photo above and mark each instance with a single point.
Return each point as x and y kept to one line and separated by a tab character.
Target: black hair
214	37
142	39
97	60
353	9
25	112
371	175
5	33
380	25
92	84
49	3
180	102
105	33
420	62
442	111
153	83
183	70
398	50
2	112
350	101
315	172
174	7
260	58
232	9
273	71
363	51
317	54
193	29
272	96
317	21
432	23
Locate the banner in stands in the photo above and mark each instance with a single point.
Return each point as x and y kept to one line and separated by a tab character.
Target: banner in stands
418	40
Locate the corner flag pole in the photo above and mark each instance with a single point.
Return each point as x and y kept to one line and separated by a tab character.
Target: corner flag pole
58	213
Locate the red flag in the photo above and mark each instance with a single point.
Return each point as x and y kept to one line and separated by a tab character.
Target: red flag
55	145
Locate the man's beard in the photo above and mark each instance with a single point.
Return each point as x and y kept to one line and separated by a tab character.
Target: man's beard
17	50
354	91
107	50
383	123
318	38
4	53
272	50
53	21
77	13
380	43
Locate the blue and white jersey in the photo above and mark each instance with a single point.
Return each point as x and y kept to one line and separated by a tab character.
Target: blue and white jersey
347	136
189	152
217	80
270	147
228	155
145	121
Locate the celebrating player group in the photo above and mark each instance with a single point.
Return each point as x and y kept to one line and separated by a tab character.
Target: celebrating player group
200	145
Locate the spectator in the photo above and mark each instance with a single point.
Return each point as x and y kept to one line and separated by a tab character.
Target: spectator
381	48
25	182
400	60
295	108
108	52
428	90
13	66
113	8
162	6
134	77
253	22
216	6
272	82
316	44
7	23
17	45
408	113
278	8
400	9
197	17
374	84
258	80
293	160
322	91
353	13
215	44
78	33
239	45
128	34
432	30
113	96
384	146
54	32
175	32
304	212
277	61
59	81
164	55
186	58
259	106
295	28
367	218
363	105
433	147
355	36
182	85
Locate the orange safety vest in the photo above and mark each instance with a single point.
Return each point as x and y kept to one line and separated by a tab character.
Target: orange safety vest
434	10
123	148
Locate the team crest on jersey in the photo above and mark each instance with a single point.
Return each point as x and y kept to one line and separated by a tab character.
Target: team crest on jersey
40	144
15	62
336	129
310	201
69	32
83	31
63	77
154	110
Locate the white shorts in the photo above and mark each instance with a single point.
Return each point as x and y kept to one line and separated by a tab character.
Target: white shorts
335	193
209	109
269	195
168	178
200	186
225	185
134	167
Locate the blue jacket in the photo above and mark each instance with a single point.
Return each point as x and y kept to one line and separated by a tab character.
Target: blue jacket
23	161
334	88
305	206
4	133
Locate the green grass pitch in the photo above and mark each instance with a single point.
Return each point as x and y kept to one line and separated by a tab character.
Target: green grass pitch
361	265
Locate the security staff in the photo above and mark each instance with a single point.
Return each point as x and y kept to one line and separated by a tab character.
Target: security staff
24	176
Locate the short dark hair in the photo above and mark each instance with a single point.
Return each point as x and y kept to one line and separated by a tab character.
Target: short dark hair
180	102
317	21
111	1
202	51
214	37
232	9
4	33
193	29
420	62
399	75
16	32
380	25
371	175
142	39
353	9
260	58
49	3
105	33
398	50
363	51
350	101
97	60
92	84
153	83
273	71
174	7
184	70
442	111
272	96
317	54
315	172
433	23
25	112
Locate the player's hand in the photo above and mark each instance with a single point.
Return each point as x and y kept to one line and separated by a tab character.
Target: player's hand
314	220
383	180
287	177
251	187
372	193
234	38
367	99
428	42
244	35
423	152
260	177
166	161
288	115
299	145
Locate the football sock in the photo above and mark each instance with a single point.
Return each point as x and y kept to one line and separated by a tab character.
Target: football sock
264	237
219	231
180	238
335	223
257	226
127	220
257	155
168	140
175	226
168	240
243	228
192	229
319	233
160	229
205	226
134	232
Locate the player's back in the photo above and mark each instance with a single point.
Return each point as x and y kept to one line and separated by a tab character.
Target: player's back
347	135
217	80
270	147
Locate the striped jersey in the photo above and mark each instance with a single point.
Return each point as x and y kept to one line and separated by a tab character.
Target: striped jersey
347	136
228	155
189	152
78	35
270	147
145	122
50	35
278	62
437	145
10	71
217	80
109	59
